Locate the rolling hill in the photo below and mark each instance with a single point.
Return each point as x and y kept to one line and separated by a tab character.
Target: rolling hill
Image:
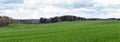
74	31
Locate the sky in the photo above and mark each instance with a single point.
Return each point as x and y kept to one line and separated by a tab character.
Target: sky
35	9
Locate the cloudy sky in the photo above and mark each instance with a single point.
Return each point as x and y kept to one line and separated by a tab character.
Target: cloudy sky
34	9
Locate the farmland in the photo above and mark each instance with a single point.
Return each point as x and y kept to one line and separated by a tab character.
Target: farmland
74	31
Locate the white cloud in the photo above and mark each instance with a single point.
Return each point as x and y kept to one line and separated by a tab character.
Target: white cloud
49	8
117	15
52	1
106	2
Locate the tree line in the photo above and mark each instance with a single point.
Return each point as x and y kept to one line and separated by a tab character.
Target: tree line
61	18
5	21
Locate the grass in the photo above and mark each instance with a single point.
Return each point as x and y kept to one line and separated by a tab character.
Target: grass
75	31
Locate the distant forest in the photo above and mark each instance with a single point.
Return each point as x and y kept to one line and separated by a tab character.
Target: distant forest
5	20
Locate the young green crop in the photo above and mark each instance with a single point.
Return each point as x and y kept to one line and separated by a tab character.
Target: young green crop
75	31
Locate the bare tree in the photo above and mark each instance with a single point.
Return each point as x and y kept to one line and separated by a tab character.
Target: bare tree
5	21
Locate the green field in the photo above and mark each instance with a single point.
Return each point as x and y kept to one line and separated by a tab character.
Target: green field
75	31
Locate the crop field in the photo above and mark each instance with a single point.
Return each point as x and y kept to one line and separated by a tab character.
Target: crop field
74	31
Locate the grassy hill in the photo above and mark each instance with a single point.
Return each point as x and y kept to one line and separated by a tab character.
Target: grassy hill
75	31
